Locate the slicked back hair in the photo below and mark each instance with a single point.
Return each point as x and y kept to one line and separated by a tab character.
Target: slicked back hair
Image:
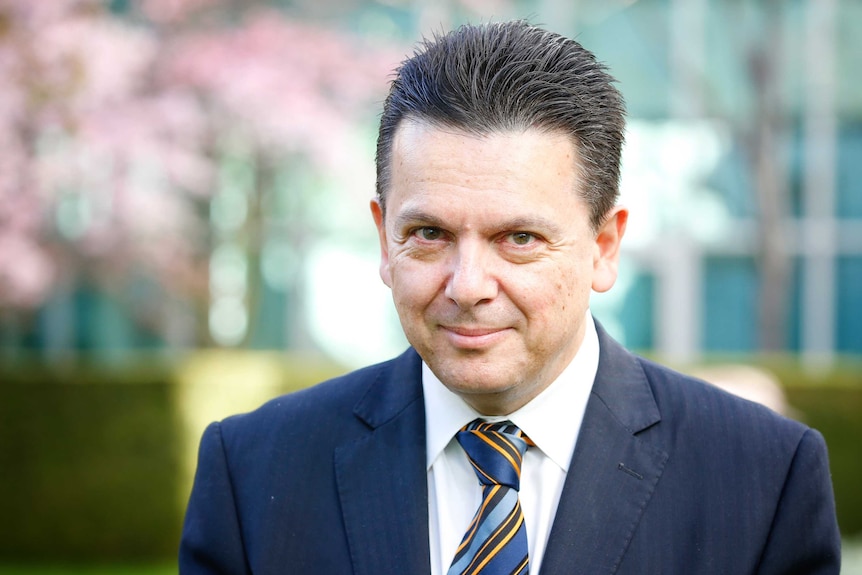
512	76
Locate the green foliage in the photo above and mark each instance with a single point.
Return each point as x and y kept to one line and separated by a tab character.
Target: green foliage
95	460
87	569
90	468
837	413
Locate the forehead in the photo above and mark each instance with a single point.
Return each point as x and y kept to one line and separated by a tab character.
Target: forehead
412	131
422	150
495	172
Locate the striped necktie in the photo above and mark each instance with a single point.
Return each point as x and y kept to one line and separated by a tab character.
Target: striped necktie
496	540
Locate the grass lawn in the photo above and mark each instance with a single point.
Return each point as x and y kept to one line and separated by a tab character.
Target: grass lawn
35	569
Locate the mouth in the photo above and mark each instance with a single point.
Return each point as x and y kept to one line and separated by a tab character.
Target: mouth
472	337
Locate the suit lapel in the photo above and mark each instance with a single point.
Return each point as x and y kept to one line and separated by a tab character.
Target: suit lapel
613	472
382	480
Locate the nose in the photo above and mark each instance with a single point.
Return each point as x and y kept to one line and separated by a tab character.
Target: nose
471	278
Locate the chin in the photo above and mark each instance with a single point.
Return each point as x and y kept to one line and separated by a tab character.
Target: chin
468	380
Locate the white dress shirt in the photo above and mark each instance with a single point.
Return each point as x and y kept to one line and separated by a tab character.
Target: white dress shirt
552	421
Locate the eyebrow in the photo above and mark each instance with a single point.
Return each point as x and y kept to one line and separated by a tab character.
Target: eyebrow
414	215
528	223
517	223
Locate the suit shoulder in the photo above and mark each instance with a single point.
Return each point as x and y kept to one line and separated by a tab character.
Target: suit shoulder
325	403
694	403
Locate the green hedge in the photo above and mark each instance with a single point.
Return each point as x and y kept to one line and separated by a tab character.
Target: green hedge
96	461
95	464
837	413
88	471
89	467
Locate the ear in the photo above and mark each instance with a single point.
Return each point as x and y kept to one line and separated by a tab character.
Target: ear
377	214
607	249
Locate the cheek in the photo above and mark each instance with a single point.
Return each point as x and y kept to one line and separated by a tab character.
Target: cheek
561	291
414	285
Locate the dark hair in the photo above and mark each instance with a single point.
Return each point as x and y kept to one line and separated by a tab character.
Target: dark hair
510	76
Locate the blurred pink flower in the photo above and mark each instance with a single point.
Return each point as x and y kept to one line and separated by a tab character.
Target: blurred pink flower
292	86
111	130
26	271
85	133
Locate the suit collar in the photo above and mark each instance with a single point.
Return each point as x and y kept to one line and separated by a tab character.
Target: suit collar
396	386
622	386
613	473
381	476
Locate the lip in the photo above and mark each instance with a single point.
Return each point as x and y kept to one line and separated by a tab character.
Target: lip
473	337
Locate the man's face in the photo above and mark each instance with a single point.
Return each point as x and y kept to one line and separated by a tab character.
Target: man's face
490	256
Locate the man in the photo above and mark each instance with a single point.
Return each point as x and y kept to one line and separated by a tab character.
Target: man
498	167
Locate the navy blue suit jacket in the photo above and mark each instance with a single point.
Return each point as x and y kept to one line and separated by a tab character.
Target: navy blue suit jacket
669	475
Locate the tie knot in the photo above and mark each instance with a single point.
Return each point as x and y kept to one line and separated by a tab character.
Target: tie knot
496	451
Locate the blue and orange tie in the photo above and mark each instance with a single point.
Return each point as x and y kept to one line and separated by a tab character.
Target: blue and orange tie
496	540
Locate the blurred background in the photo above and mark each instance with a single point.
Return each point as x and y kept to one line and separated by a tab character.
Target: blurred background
184	229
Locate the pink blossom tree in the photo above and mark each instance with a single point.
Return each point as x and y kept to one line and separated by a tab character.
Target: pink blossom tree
111	131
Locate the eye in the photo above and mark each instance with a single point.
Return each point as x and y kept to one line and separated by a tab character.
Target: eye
429	234
522	238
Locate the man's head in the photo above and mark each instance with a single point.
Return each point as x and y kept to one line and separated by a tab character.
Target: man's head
512	76
499	184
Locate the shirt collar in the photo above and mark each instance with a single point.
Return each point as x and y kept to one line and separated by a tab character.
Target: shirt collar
552	419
